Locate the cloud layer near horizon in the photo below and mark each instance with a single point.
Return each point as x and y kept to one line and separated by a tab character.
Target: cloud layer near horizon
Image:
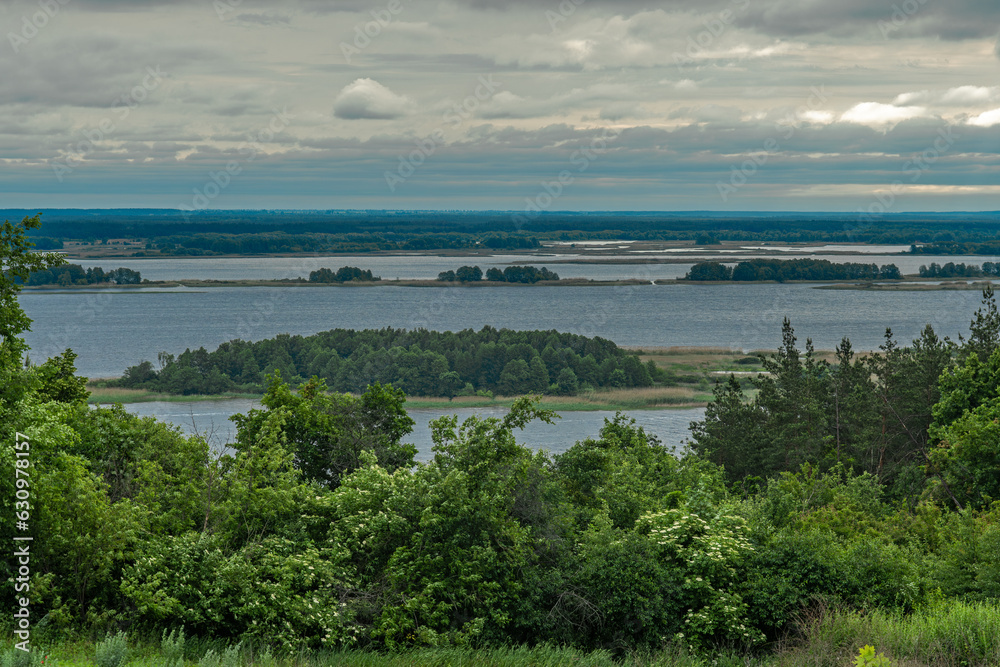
714	104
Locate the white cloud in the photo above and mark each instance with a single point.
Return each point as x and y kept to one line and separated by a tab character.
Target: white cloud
817	116
986	119
367	98
880	116
918	97
970	95
959	96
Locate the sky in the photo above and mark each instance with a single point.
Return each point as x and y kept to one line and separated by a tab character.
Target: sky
873	106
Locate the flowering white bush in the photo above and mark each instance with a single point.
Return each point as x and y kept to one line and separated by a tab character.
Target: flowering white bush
709	553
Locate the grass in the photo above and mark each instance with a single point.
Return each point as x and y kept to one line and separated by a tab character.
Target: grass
952	634
948	634
648	398
149	654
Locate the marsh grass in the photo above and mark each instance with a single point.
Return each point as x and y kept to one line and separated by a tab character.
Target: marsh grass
101	394
646	398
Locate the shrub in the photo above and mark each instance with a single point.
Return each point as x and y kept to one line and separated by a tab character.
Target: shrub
173	648
113	651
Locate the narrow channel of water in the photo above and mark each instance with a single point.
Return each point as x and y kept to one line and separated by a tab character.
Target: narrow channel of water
211	418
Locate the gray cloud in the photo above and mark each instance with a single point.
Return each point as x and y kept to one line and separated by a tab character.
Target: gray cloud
262	18
887	92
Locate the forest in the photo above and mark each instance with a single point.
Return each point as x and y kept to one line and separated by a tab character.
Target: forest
781	270
248	232
281	241
842	513
419	362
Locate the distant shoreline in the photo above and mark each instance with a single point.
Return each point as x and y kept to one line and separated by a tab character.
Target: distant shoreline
907	284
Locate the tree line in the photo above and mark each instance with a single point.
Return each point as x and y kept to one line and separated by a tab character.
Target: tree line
781	270
961	270
420	362
74	274
510	274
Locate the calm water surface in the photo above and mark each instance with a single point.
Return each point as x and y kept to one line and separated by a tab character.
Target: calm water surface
211	418
113	329
422	267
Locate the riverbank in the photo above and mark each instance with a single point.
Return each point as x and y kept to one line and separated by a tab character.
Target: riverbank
908	283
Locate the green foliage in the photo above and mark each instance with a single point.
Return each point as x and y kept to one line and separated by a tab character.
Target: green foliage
172	646
276	590
873	414
952	633
344	274
59	381
418	362
517	274
17	261
230	657
464	507
74	274
327	434
113	651
867	658
761	269
465	274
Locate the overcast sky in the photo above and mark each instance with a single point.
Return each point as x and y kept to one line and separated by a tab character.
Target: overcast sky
488	104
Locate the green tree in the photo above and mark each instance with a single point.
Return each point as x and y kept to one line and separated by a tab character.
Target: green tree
538	376
984	331
733	433
469	274
966	461
566	382
17	261
325	433
514	378
792	395
59	381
